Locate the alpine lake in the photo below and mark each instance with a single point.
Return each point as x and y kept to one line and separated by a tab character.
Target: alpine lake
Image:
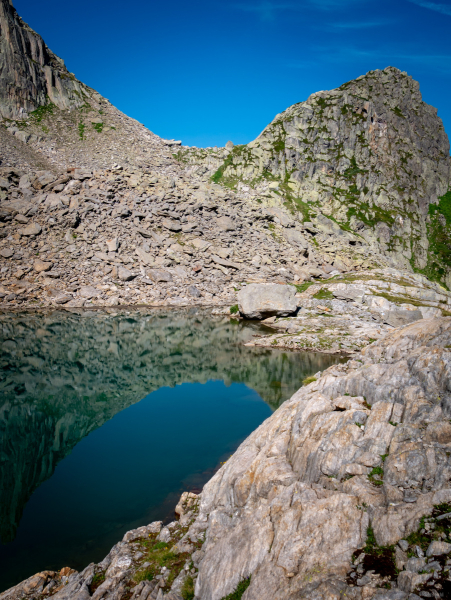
106	417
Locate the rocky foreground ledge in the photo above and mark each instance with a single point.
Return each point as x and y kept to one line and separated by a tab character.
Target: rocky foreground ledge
343	492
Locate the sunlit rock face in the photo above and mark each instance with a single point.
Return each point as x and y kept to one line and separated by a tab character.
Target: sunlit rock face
65	374
31	75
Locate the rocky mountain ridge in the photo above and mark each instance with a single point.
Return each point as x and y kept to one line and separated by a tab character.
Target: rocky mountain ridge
31	75
370	155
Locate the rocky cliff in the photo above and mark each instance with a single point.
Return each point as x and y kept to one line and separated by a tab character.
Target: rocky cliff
355	178
370	155
31	75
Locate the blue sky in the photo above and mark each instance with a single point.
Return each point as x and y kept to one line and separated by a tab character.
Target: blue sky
206	72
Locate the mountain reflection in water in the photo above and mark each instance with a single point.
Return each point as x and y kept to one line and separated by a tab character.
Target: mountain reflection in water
64	374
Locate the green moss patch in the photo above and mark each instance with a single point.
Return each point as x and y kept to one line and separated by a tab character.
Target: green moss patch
323	295
42	112
439	237
187	590
240	589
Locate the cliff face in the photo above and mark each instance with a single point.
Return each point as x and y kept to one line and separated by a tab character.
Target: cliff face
31	75
371	155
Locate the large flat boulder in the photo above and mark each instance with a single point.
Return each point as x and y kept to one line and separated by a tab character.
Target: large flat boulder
262	300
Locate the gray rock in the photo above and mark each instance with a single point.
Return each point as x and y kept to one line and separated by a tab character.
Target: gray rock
125	275
397	317
438	548
31	229
88	292
260	301
226	224
390	595
194	292
122	211
113	244
144	256
157	275
145	232
6	252
408	581
415	565
42	266
225	263
404	545
172	225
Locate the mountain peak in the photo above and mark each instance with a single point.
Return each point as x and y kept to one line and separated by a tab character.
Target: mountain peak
31	75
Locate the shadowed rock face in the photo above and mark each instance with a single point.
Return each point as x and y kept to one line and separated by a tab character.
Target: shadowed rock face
30	74
65	374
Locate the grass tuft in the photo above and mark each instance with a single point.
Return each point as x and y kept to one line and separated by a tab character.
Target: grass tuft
240	589
187	590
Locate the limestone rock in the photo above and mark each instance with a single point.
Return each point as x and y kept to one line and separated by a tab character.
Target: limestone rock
88	292
125	274
259	301
32	229
41	266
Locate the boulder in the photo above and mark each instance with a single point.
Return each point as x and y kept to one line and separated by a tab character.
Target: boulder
172	225
112	244
144	256
88	292
124	274
31	229
41	266
6	252
262	300
160	275
144	232
437	548
397	317
194	292
226	224
295	238
42	179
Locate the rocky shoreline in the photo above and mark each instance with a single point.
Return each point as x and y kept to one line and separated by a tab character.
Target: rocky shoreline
348	476
329	228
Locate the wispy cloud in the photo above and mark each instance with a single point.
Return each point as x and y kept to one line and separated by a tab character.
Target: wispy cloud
445	9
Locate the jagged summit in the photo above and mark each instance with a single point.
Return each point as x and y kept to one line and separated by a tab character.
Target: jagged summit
370	154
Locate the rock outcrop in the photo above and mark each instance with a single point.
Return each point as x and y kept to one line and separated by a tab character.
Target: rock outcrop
369	159
31	76
358	459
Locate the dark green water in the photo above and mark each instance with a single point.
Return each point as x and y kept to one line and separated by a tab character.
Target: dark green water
106	418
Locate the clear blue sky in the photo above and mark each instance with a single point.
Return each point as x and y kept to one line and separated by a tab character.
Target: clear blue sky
206	72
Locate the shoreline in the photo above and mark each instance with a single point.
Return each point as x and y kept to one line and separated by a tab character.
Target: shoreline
278	531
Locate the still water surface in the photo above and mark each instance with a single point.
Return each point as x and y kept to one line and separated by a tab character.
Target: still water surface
106	418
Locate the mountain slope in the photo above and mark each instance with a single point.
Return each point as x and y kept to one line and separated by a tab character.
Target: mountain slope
370	154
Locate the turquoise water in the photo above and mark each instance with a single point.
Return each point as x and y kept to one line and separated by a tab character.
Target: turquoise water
106	418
